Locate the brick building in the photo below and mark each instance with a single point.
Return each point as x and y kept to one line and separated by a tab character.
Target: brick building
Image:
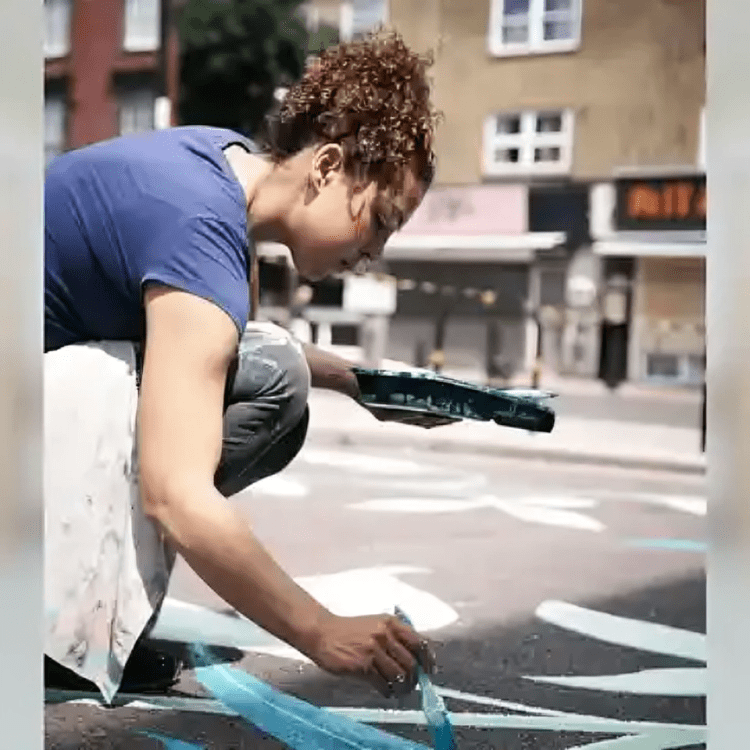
111	67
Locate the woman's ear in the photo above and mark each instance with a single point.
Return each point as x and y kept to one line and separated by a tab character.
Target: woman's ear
328	160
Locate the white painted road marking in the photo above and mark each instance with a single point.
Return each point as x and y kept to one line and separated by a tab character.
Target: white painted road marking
696	505
280	486
685	682
361	591
418	505
624	631
531	510
367	463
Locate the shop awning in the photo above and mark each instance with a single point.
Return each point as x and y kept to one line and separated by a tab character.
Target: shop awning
472	248
635	249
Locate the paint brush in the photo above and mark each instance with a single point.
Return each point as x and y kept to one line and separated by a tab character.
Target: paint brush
433	706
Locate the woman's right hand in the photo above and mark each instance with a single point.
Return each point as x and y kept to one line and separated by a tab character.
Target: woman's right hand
379	649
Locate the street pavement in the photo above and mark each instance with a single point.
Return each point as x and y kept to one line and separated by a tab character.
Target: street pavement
590	398
601	439
519	569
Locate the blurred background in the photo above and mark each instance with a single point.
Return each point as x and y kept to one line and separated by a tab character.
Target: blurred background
565	234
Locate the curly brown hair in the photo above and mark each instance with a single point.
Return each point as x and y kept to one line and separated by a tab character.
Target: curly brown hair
371	96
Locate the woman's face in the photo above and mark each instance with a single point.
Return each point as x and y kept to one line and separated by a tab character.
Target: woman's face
341	223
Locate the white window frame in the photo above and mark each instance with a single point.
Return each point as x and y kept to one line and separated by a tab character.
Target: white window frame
57	15
702	140
350	17
536	44
55	114
526	141
346	20
683	376
141	25
134	97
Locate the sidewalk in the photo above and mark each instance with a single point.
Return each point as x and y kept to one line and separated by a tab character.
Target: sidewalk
578	386
551	381
335	419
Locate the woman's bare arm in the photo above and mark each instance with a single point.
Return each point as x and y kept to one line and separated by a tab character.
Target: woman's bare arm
190	343
330	371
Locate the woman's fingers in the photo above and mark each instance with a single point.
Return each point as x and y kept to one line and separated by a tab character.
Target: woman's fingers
418	645
391	671
407	662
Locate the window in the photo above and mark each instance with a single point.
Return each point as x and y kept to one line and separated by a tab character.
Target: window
54	126
136	110
529	143
56	28
663	366
680	369
520	27
360	16
345	334
142	25
702	140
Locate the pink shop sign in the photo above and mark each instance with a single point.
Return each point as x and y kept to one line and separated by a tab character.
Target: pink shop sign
481	210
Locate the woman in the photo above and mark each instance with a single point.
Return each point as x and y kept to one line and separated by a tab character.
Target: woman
150	239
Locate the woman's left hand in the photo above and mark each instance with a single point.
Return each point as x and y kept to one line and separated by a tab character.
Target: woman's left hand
407	416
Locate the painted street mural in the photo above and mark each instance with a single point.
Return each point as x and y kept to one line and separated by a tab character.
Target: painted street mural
567	607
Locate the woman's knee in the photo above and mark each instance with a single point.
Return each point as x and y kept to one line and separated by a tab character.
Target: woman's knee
271	367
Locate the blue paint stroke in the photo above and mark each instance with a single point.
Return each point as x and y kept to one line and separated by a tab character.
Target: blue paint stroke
172	744
623	631
672	545
678	683
294	722
432	705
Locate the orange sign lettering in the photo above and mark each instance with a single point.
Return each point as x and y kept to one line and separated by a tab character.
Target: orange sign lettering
669	201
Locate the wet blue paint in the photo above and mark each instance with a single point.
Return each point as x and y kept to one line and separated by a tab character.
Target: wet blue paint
432	705
672	545
172	744
292	721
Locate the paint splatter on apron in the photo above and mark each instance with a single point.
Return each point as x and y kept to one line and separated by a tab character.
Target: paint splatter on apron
106	568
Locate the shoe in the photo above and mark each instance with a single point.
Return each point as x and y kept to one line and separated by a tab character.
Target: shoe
57	677
147	671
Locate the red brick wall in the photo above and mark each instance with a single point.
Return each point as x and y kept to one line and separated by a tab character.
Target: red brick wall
95	57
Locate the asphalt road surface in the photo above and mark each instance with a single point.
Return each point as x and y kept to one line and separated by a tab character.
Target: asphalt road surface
518	570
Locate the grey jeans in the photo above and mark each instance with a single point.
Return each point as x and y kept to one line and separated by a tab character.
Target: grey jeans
265	408
266	413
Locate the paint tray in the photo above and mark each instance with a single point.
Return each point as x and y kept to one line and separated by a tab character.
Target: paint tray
428	393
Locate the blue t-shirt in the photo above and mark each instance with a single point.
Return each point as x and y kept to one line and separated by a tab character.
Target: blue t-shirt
164	207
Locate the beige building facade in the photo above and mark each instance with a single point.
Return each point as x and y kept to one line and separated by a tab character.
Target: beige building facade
632	78
571	95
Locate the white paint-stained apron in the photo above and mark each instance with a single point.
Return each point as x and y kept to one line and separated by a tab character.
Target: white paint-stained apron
106	569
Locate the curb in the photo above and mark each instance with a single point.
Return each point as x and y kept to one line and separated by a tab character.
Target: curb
553	455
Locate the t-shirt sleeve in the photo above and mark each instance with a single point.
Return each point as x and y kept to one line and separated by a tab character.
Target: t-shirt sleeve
206	257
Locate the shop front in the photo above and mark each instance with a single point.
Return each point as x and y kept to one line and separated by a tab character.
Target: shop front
463	265
659	237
